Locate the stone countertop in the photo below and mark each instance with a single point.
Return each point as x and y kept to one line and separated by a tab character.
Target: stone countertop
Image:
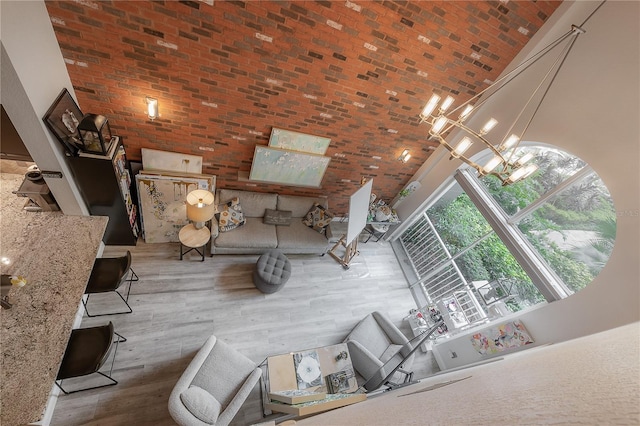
55	253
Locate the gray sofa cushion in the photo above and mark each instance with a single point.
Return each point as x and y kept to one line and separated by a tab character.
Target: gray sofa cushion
299	206
223	373
299	236
201	404
253	203
253	234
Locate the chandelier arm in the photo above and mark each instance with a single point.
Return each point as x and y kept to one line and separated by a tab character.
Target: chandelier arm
479	136
516	71
521	68
557	65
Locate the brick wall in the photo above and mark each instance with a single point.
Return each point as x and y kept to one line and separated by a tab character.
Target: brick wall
358	72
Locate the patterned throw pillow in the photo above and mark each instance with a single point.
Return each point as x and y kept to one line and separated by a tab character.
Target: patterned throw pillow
318	218
230	215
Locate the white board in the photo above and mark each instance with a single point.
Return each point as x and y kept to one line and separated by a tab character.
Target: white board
358	211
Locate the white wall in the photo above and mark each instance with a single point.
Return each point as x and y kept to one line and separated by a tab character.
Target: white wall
593	112
33	74
588	381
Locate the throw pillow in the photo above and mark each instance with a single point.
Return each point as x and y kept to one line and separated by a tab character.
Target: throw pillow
318	218
230	215
277	217
201	404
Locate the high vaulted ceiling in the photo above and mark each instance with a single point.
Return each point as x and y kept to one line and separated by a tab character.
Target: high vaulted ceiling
226	72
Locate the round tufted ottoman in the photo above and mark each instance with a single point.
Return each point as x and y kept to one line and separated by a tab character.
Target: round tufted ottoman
273	270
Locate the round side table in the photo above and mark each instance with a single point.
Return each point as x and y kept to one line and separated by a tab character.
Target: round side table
194	239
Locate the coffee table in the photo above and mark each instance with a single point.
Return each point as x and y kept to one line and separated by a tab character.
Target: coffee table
194	239
297	370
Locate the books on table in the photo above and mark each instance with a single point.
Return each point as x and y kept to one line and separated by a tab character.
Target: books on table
330	402
296	396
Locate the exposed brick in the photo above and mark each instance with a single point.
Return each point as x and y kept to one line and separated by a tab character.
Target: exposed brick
217	82
153	32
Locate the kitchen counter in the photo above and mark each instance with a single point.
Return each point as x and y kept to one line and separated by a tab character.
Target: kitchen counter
55	253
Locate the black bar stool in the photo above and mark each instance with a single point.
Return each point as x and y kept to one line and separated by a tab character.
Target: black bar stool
107	275
87	351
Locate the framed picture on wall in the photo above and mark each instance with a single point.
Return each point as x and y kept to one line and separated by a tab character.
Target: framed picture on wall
281	166
296	141
62	119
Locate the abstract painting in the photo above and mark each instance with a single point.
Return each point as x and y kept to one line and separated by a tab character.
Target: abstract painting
501	338
294	141
280	166
162	203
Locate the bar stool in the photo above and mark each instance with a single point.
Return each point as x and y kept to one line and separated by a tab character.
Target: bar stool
87	351
107	275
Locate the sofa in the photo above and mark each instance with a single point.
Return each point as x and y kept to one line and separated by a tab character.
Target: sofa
254	236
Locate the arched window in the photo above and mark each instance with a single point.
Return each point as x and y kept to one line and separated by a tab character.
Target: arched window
499	249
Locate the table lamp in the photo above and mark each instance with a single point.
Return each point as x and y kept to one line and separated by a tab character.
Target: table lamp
200	207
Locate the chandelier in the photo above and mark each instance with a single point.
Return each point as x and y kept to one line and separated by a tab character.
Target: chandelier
506	164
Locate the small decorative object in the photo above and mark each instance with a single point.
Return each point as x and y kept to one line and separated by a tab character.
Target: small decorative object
338	382
342	355
62	119
383	213
18	281
95	134
6	282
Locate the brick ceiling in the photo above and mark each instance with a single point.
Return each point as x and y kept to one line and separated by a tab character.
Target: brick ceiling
226	72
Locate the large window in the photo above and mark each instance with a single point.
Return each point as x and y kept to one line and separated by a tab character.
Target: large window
511	247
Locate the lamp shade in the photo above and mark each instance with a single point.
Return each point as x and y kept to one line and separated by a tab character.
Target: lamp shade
200	205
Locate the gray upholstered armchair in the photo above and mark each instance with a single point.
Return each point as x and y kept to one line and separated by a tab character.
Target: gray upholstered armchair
214	386
374	341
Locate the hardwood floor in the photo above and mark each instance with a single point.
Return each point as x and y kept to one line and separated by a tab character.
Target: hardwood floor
178	304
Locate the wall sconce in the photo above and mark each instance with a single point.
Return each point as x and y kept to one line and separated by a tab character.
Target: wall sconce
405	156
152	108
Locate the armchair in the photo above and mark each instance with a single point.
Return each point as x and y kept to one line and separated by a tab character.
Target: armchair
374	341
214	386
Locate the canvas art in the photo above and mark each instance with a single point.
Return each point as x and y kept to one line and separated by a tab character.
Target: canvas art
274	165
506	336
162	203
287	139
153	159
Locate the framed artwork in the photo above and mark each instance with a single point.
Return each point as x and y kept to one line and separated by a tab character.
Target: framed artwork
506	336
280	166
294	141
161	198
153	159
62	119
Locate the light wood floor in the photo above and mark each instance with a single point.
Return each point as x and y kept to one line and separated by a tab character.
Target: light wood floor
178	304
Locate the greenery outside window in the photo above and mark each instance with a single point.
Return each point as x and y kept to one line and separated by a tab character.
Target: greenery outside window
540	239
